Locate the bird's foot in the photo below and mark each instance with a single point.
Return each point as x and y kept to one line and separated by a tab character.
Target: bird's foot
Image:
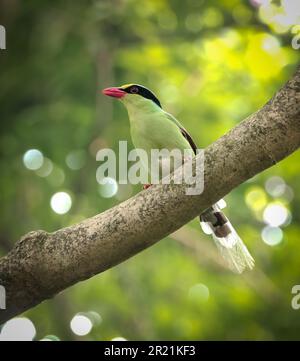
146	186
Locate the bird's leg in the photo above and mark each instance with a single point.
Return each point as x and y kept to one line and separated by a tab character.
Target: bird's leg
146	186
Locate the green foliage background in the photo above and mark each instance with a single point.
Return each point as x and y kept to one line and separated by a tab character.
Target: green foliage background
211	63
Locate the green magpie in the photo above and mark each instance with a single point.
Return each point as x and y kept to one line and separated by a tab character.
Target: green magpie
153	128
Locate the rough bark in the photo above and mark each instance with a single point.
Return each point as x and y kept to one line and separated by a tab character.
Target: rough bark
42	264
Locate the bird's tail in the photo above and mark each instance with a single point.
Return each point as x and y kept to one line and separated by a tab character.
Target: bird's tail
213	221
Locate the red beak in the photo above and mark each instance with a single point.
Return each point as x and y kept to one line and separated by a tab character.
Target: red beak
114	92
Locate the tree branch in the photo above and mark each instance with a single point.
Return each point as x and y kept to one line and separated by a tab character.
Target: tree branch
42	264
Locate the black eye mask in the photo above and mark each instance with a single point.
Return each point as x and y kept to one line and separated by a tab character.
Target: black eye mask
142	91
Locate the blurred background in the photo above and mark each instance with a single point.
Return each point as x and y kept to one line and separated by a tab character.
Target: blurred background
211	63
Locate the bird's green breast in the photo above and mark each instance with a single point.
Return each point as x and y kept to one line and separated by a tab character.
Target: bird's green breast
154	130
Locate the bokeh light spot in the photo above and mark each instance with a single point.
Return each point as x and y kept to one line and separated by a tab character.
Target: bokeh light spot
61	202
81	325
57	177
45	169
275	186
76	159
167	20
275	214
95	317
108	187
18	329
256	198
270	44
33	159
193	22
50	338
212	18
119	338
272	235
199	293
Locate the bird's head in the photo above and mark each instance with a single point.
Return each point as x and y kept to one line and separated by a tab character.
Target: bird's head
132	94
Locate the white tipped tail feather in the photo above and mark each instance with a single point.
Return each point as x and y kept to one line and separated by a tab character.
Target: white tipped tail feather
234	251
231	247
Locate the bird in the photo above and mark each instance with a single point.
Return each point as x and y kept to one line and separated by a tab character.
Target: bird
151	127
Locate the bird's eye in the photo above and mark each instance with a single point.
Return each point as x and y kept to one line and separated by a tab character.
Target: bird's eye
134	90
